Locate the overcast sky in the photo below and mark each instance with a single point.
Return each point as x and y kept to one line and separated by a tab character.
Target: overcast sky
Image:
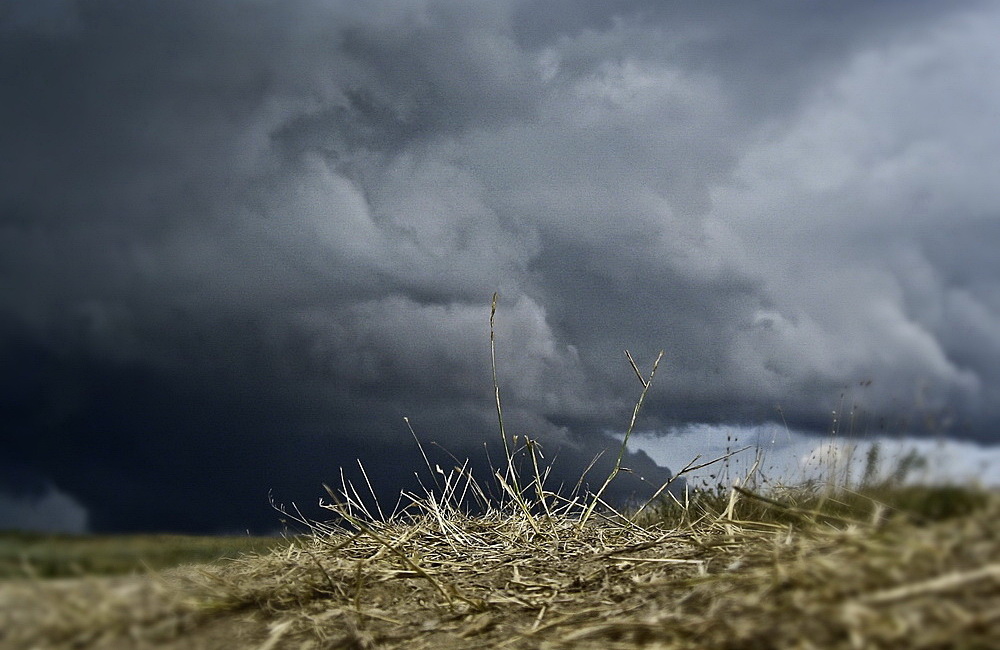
241	240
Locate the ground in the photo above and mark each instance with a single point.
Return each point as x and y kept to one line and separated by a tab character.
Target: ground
751	573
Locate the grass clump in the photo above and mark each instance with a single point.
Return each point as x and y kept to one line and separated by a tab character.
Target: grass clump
734	571
879	565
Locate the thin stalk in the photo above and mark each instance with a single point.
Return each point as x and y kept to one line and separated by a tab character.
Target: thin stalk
493	362
621	452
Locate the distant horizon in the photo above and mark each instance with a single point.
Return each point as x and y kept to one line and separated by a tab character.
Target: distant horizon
789	459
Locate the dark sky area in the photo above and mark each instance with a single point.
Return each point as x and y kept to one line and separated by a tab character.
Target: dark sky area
240	240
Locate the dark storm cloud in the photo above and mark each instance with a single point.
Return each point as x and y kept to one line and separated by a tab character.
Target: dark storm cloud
239	242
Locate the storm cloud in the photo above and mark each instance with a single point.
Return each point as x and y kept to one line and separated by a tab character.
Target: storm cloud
240	241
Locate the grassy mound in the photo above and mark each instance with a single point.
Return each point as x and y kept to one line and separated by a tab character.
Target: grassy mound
712	580
805	571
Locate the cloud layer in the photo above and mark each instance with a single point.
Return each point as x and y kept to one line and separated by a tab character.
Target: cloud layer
239	242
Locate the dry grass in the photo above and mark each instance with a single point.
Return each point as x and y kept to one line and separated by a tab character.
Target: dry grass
883	566
506	579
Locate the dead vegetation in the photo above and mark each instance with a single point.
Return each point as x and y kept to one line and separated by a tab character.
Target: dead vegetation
443	579
882	565
507	579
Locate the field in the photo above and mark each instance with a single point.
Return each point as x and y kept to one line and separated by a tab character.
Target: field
35	555
882	567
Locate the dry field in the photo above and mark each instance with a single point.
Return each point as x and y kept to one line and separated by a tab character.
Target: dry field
883	567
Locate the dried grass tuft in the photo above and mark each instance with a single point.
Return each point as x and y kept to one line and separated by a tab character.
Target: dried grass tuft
494	580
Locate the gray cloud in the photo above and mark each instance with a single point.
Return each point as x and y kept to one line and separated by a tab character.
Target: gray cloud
54	512
241	242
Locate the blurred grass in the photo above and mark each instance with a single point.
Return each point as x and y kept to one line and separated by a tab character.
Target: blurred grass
24	555
868	504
